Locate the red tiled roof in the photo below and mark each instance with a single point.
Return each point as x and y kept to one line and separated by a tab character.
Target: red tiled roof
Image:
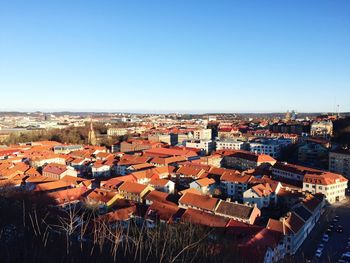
163	211
235	177
168	160
120	214
326	178
132	187
294	222
262	189
159	182
171	152
113	183
234	210
205	181
204	219
142	166
55	168
190	171
293	168
130	160
258	158
68	195
157	196
53	185
190	190
100	195
200	201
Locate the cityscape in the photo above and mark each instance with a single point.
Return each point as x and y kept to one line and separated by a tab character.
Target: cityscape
174	132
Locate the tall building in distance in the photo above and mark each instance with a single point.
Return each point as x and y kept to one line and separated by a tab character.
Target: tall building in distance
92	136
288	116
293	115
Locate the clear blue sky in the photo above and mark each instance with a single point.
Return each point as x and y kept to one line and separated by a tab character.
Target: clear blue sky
176	55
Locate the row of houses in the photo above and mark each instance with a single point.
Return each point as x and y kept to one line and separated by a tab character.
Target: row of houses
176	184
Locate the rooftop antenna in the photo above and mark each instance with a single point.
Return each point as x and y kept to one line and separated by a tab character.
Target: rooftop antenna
338	114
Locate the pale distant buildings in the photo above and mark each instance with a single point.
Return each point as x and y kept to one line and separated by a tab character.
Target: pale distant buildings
229	133
270	147
138	145
41	160
202	134
206	145
166	170
170	139
117	131
65	149
322	128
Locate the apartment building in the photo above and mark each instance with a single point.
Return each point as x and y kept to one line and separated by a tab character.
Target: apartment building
322	128
270	147
202	134
230	145
244	160
206	145
331	185
339	162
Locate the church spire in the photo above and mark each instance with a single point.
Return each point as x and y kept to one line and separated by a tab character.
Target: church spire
91	136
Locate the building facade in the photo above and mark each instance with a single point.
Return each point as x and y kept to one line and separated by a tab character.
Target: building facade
339	162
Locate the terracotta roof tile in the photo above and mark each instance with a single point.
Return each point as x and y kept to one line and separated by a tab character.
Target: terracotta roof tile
201	201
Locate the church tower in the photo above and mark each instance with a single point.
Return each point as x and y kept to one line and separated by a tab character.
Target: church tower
288	116
91	136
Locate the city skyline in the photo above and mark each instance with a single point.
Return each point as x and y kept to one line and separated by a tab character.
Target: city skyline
175	57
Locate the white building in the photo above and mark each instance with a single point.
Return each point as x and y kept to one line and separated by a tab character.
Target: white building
206	145
297	225
40	160
163	185
65	149
291	171
234	184
331	185
262	195
99	170
271	147
230	145
117	131
203	134
204	185
322	128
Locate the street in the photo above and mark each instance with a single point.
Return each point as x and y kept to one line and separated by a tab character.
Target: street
337	243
